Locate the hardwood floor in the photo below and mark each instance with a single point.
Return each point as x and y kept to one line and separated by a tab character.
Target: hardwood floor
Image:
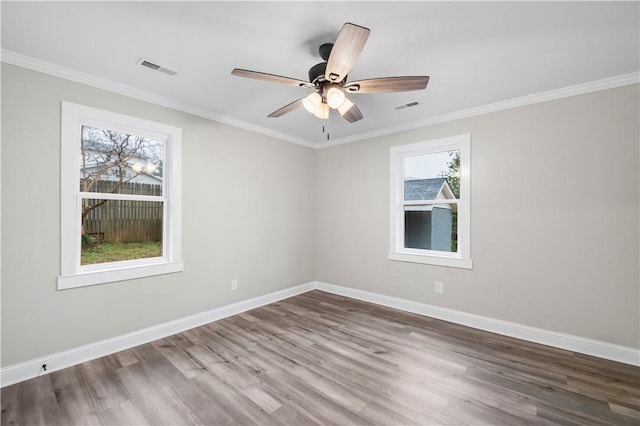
319	358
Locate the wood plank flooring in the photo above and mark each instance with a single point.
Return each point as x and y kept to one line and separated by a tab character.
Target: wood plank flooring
319	358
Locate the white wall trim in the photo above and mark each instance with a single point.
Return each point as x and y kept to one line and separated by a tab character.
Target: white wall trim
28	62
563	92
30	369
532	334
33	64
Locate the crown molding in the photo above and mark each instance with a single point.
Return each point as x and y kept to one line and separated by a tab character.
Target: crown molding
564	92
38	65
33	64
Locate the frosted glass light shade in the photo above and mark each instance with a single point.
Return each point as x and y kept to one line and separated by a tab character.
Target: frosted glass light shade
335	97
137	167
150	168
322	111
346	106
311	102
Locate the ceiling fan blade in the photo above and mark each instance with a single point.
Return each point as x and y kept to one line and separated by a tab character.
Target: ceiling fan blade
345	51
286	109
353	114
387	84
271	78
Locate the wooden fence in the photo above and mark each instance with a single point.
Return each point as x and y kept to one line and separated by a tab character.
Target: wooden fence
125	220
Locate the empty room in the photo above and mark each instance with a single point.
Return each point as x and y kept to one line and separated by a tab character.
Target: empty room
320	213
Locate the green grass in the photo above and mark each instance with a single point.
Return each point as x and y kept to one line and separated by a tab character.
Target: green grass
116	252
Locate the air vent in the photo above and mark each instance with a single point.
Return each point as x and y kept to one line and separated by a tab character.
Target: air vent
409	105
156	67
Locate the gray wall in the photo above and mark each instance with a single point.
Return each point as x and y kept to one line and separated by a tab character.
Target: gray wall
554	216
247	214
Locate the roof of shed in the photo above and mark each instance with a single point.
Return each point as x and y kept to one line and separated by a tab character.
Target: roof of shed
423	189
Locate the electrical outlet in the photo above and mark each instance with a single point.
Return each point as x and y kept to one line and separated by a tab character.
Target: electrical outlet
234	284
439	287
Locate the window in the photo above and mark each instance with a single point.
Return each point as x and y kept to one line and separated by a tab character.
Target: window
430	216
120	197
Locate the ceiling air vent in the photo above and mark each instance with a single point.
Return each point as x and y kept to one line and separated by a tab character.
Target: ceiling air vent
156	67
409	105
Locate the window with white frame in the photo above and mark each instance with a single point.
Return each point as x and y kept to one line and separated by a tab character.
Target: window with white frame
120	197
430	212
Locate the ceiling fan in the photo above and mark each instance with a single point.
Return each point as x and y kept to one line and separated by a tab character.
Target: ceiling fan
328	79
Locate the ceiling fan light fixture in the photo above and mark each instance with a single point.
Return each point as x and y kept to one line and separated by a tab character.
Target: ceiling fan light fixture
137	167
311	102
345	107
335	97
322	112
328	79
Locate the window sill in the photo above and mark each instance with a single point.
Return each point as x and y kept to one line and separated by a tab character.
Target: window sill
432	260
101	277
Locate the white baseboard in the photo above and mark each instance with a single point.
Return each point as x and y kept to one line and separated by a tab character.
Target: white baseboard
33	368
551	338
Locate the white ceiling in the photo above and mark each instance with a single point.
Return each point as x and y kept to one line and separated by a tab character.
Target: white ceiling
476	53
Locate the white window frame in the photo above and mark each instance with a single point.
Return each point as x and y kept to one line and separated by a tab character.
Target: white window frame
397	250
72	273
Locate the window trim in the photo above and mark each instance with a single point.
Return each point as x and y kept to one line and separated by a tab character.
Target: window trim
72	274
397	251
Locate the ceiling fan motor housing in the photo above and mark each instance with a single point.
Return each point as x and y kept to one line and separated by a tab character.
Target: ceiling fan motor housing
316	72
317	75
325	51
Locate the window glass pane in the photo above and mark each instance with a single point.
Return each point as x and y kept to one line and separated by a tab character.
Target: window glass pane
431	227
119	163
424	176
117	230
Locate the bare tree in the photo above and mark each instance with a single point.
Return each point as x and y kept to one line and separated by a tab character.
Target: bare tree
111	159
